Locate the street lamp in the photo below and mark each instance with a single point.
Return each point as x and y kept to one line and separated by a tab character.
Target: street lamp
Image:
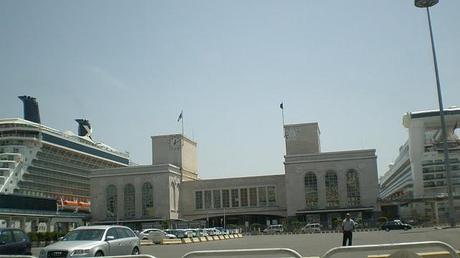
427	4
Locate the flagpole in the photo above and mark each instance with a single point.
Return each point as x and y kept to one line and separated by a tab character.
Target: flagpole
284	129
182	122
282	116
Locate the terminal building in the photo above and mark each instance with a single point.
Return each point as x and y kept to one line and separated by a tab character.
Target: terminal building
316	186
415	185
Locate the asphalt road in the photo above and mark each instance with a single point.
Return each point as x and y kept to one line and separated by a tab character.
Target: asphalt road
307	244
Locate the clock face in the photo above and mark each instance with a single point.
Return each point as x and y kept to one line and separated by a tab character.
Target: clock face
174	143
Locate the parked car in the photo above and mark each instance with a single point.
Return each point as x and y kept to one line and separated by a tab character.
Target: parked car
14	242
395	224
145	233
274	229
203	232
213	232
158	235
179	233
94	241
222	230
311	228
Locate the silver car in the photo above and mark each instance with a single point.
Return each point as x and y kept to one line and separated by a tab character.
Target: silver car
93	241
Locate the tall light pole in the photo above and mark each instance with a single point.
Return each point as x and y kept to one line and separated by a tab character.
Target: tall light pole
427	4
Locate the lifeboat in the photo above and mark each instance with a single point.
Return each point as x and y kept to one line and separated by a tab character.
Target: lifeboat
75	206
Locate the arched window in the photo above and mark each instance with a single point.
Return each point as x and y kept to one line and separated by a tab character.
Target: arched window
332	192
353	194
111	201
147	199
130	201
311	191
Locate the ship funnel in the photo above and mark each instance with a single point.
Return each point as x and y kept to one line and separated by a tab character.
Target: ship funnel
31	112
84	128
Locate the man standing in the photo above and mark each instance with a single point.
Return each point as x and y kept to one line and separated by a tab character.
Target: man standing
347	228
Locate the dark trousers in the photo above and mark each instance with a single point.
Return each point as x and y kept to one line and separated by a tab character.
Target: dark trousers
347	235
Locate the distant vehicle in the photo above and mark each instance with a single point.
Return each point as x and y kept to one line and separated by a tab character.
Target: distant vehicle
179	233
395	224
203	232
193	231
222	230
158	235
274	229
213	232
311	228
145	233
14	242
94	241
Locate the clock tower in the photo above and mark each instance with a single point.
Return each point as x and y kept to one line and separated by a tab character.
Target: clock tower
302	138
177	150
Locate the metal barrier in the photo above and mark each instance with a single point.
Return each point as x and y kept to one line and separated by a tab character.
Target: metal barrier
17	256
396	246
121	256
258	251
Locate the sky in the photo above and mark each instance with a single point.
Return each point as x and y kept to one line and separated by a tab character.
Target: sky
130	67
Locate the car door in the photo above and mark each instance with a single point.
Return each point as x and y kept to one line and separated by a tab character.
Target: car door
115	247
7	245
132	240
21	242
124	241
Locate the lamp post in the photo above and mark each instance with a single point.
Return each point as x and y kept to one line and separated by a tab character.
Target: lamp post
427	4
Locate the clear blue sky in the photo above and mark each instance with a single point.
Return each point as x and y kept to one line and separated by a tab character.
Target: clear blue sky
131	66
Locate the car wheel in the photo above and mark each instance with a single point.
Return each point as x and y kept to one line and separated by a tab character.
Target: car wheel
387	229
135	251
99	253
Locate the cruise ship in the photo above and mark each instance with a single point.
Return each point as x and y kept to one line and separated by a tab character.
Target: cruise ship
39	161
417	178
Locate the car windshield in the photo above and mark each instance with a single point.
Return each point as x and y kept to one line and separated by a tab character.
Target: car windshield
84	235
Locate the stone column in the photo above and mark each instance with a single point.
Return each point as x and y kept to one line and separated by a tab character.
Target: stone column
342	185
321	184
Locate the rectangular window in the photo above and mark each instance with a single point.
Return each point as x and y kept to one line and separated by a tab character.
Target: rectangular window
199	200
225	198
235	198
216	196
262	196
207	199
253	197
271	192
244	197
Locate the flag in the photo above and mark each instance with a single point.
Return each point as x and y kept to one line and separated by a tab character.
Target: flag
180	117
281	105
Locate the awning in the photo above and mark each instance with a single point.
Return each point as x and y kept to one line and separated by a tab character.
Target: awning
335	210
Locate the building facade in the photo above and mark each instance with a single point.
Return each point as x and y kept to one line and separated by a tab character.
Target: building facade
416	182
323	186
308	190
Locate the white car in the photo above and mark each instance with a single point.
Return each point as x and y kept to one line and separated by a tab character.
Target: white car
93	241
147	233
312	228
274	229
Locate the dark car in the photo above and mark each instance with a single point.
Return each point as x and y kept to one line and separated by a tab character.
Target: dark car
14	241
395	224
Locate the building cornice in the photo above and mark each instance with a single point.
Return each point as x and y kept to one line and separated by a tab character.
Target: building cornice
330	156
136	170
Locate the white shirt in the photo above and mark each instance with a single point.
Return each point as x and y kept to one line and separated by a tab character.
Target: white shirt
348	225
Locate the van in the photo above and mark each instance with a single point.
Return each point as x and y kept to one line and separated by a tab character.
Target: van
312	228
274	229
